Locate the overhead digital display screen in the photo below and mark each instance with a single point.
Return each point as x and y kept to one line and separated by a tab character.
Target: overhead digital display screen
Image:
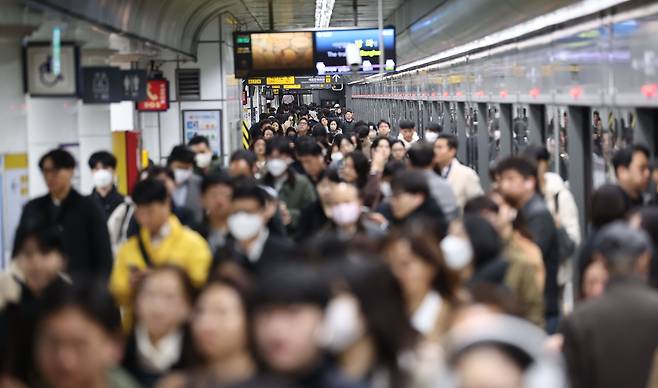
276	53
330	54
262	54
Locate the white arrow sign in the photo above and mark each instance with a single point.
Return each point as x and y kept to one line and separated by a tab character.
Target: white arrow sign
336	78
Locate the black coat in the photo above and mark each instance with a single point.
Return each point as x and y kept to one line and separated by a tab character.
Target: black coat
277	251
311	220
108	203
544	233
429	212
610	340
86	241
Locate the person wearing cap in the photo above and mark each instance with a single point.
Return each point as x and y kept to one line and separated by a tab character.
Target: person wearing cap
610	341
86	241
251	244
187	194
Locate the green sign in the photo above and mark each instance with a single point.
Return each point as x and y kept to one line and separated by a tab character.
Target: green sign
243	39
56	61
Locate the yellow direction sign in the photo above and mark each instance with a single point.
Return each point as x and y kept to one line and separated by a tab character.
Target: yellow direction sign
288	80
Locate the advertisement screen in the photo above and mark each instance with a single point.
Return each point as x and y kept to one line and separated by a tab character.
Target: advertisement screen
276	53
330	54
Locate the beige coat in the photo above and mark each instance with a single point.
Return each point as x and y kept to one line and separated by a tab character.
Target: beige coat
465	182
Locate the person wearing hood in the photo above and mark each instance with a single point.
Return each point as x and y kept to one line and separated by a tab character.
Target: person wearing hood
103	172
187	194
204	159
295	191
408	134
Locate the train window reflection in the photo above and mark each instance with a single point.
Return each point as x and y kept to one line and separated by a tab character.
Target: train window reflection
556	142
520	130
493	128
453	118
603	144
611	131
471	120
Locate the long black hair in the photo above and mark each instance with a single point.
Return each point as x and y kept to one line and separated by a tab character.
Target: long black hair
382	304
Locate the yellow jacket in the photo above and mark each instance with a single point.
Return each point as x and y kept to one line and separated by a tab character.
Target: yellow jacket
182	247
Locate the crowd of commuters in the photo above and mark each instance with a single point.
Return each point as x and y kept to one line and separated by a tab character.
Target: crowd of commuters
332	254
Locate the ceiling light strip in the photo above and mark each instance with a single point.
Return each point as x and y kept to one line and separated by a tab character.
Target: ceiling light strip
323	11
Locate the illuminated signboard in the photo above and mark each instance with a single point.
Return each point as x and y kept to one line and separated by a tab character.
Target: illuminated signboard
157	96
273	53
330	50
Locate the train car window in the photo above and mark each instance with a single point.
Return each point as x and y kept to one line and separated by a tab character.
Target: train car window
453	118
520	139
493	127
606	139
556	142
471	137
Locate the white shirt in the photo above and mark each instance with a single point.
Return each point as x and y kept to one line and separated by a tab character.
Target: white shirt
161	356
426	315
180	195
445	171
256	249
162	234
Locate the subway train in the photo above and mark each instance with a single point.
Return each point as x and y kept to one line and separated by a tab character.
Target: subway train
584	89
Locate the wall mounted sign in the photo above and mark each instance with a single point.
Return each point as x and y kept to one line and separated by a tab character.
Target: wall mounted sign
206	123
101	85
157	96
40	79
133	84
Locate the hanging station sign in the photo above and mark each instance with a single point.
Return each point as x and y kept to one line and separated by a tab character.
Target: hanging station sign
157	96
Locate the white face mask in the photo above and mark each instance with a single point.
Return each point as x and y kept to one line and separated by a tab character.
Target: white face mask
102	178
244	226
181	175
431	137
203	160
457	252
346	213
342	325
385	188
277	167
336	156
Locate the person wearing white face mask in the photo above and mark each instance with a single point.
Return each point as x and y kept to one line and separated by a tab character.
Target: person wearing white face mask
346	215
295	191
428	284
187	194
105	193
250	244
204	158
432	132
374	351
